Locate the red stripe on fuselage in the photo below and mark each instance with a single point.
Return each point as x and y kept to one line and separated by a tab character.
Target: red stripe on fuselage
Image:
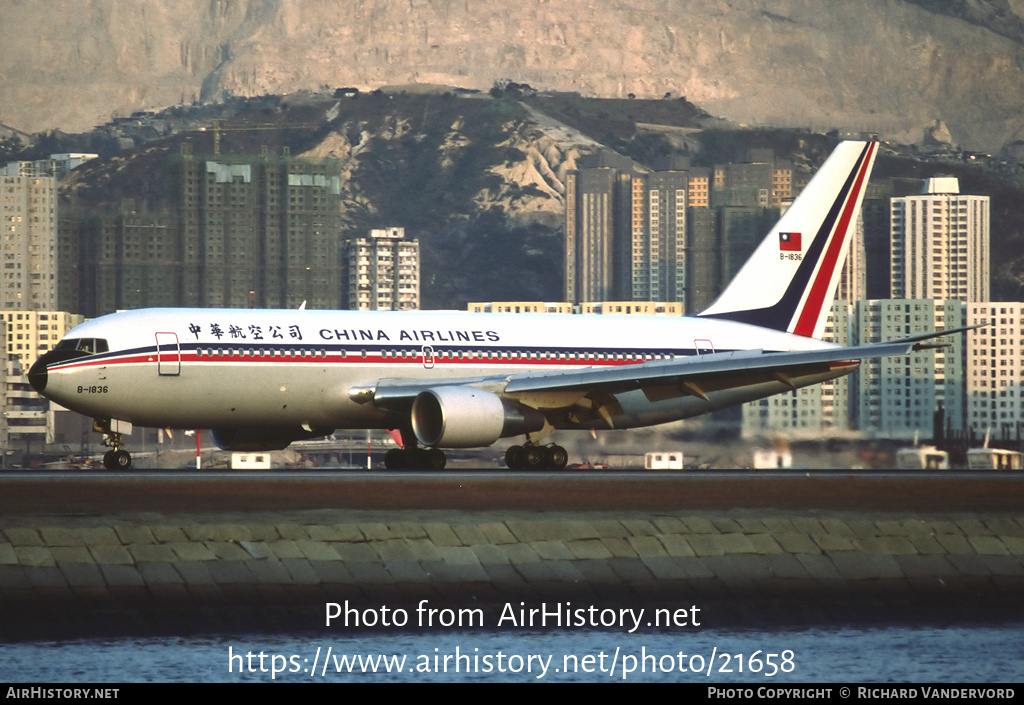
820	287
354	359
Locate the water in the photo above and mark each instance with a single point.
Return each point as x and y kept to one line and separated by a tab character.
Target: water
921	654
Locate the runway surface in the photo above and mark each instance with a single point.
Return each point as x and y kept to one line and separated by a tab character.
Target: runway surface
75	493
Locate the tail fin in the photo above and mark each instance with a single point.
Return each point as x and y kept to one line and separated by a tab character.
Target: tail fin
790	280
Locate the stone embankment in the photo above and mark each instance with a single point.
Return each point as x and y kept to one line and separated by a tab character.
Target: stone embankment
150	572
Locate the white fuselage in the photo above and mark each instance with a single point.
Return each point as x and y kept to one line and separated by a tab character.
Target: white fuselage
208	368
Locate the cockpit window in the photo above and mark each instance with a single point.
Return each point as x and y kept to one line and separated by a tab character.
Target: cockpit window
86	345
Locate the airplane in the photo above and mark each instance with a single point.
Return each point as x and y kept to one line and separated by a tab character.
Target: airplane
261	379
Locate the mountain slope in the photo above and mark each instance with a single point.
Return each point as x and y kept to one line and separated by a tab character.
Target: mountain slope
889	66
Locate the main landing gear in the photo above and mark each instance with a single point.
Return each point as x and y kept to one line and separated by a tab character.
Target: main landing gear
411	457
415	458
531	456
117	458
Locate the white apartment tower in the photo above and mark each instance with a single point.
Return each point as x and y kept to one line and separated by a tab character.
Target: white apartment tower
809	412
940	244
28	217
383	271
995	369
899	395
659	241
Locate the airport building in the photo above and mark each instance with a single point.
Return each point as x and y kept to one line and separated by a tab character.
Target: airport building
632	308
383	271
520	307
608	308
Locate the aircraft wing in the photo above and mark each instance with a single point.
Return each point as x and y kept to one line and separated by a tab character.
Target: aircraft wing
698	375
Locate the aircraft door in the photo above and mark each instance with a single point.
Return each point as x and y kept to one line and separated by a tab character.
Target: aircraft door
428	357
703	346
168	355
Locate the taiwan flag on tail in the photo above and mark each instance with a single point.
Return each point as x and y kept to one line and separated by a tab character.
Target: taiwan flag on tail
790	242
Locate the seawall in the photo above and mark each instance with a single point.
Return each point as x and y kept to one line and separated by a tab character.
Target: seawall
63	574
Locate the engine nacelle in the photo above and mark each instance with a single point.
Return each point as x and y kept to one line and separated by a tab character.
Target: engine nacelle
262	439
464	417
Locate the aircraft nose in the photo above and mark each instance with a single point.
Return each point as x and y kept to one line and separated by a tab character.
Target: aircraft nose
37	374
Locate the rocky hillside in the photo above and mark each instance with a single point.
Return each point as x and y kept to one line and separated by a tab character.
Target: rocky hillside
895	67
479	181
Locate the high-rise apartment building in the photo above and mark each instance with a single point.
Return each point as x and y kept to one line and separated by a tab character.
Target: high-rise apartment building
940	244
995	369
808	412
626	229
940	251
899	396
28	419
32	333
703	258
57	165
659	232
383	271
259	231
28	217
604	215
671	233
239	231
875	214
698	188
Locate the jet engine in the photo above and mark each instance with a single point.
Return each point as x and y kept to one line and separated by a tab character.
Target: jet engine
464	417
263	439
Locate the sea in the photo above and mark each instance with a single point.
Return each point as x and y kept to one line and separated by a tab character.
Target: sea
991	653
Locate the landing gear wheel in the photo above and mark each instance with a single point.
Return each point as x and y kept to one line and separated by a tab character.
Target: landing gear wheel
394	459
436	459
556	457
117	460
534	457
515	458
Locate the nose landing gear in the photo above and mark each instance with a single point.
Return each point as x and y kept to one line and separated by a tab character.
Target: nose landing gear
117	458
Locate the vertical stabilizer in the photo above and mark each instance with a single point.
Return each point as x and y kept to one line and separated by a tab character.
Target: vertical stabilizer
788	284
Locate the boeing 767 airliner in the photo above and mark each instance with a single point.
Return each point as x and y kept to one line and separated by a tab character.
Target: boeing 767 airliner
261	379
